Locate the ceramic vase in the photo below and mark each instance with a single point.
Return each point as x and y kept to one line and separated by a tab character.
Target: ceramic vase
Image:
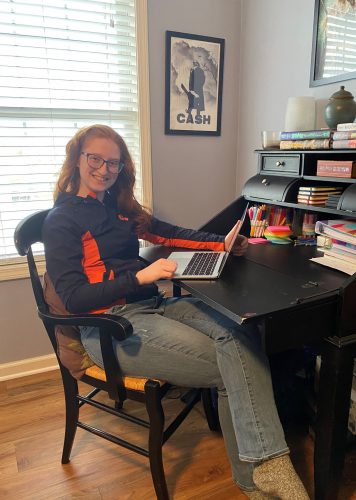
340	109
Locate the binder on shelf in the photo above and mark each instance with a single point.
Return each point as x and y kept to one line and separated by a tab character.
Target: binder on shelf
339	229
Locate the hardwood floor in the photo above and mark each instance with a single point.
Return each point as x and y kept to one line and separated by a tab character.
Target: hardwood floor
32	425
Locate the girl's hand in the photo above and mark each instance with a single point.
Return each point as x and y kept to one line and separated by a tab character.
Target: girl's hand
161	269
241	242
240	245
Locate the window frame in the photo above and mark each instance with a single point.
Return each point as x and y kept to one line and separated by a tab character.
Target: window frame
16	268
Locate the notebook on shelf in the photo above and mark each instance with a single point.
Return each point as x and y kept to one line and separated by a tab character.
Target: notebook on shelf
205	264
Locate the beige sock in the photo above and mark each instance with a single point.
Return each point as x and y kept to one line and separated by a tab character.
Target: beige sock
278	477
258	495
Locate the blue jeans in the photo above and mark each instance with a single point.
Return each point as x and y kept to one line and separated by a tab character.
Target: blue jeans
186	342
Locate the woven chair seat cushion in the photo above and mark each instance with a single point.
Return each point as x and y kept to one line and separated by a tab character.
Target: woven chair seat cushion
71	351
132	383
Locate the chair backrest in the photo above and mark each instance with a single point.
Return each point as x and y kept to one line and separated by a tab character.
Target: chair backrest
65	339
28	232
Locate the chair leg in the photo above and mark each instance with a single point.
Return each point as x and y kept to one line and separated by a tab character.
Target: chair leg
209	400
70	386
118	405
155	440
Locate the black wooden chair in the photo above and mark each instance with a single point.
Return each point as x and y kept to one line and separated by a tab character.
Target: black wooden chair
62	330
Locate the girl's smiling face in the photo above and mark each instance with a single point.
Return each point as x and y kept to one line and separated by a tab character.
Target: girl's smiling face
101	179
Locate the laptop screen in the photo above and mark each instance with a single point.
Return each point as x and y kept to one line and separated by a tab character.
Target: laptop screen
237	229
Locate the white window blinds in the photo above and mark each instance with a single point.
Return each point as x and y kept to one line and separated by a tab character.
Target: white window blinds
340	41
63	65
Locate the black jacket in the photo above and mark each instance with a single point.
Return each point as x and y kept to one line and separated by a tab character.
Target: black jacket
92	252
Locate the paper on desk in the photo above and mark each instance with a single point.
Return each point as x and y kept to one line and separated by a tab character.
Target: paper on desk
338	264
255	241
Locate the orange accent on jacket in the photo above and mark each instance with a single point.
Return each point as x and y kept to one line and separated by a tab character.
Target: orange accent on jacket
94	267
92	251
217	246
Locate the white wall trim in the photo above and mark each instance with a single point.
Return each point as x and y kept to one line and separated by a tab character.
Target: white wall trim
17	268
29	366
144	101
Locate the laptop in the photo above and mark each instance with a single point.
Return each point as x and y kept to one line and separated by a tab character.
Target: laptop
205	264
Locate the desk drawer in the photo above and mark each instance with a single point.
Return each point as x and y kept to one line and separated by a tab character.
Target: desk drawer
281	164
271	187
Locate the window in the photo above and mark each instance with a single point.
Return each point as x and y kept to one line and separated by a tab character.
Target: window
64	65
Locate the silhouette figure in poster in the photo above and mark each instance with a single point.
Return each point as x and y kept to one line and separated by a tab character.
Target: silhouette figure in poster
195	93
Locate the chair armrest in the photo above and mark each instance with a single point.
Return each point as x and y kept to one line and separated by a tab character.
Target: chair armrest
110	326
117	326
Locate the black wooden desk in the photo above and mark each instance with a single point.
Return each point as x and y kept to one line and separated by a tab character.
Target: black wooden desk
301	302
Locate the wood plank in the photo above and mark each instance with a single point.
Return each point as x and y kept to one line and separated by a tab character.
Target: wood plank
8	462
32	423
32	417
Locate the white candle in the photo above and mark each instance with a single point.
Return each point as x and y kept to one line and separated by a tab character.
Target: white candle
300	113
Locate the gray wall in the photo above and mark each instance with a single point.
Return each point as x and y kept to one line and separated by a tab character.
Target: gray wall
267	59
22	334
276	40
193	176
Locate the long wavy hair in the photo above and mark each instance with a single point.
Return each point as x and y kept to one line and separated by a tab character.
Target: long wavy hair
123	189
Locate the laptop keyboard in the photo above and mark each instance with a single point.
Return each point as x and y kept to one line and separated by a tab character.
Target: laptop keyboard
201	264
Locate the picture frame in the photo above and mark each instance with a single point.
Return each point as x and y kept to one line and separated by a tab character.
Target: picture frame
332	41
194	82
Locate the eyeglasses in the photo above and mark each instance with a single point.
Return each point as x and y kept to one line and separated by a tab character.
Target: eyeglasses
96	162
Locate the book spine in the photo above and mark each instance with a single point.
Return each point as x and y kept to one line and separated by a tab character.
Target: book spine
323	173
346	169
344	144
346	126
342	245
344	135
341	255
343	251
335	163
306	134
306	144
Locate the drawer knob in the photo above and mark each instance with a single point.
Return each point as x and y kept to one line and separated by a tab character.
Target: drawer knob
265	182
279	163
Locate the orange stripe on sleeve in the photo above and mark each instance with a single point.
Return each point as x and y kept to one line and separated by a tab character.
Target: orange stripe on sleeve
94	268
217	246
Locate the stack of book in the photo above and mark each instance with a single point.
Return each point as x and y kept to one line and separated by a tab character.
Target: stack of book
317	195
308	236
336	168
339	246
332	201
306	139
345	136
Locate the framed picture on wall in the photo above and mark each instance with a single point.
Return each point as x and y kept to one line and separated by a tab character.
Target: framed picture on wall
334	42
194	80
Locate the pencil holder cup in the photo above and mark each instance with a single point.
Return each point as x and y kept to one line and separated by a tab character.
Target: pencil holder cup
258	228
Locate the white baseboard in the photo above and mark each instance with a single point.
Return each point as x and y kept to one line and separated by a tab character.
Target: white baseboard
29	366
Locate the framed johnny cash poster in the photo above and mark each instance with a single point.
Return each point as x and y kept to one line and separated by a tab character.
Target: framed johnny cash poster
194	80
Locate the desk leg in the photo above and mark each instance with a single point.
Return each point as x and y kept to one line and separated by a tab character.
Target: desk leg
332	417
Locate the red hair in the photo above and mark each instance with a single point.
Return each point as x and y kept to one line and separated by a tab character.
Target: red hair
123	189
